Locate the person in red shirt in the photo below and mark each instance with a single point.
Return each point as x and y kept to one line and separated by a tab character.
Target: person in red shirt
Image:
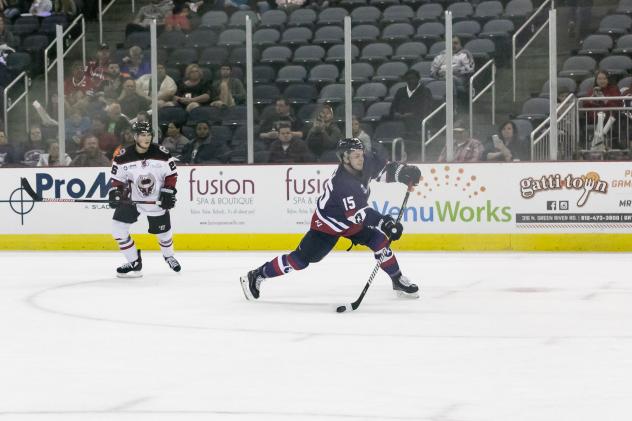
98	67
178	20
78	81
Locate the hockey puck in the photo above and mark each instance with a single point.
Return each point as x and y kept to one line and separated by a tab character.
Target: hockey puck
341	309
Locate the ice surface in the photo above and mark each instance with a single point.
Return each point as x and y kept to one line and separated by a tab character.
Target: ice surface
505	337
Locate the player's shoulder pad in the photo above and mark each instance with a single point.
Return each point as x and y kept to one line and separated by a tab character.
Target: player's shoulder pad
121	156
160	152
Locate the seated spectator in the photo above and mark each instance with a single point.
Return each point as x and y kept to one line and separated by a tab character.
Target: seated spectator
174	140
78	80
7	151
77	125
282	113
6	36
116	121
90	154
411	104
41	8
34	147
602	88
358	133
506	146
113	83
51	157
203	149
135	64
107	141
229	91
131	102
193	91
167	88
157	10
324	133
98	67
67	7
462	65
465	148
287	149
178	20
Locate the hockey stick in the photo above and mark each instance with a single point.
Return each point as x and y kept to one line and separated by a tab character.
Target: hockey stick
354	305
37	198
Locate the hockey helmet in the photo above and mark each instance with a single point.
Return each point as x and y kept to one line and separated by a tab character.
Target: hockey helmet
142	127
347	145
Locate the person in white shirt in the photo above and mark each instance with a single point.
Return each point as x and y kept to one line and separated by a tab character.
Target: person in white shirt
462	65
41	8
166	87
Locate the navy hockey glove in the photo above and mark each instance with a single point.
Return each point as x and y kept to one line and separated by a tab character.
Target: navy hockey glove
408	174
167	198
115	196
392	229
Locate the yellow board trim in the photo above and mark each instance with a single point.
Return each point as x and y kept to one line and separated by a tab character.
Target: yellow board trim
410	242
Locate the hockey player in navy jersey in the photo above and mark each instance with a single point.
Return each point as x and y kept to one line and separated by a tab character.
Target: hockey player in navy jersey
145	172
343	211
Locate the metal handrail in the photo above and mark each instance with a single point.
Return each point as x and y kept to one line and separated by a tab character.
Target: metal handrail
423	131
9	104
543	127
82	37
473	98
515	56
397	141
102	12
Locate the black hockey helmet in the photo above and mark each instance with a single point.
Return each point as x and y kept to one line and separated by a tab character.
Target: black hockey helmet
347	145
142	127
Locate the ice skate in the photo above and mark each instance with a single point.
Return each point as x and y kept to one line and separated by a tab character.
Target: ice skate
251	283
132	269
404	288
173	263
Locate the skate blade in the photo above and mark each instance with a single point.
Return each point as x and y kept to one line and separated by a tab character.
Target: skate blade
406	295
130	275
243	280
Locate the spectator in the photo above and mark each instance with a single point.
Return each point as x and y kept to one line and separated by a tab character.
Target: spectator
465	149
98	67
41	8
178	20
203	149
411	104
135	64
140	117
126	139
358	133
67	7
6	36
51	158
167	88
78	81
282	113
229	91
602	88
77	125
116	121
506	146
157	10
175	140
287	149
289	5
7	151
90	154
113	83
131	102
34	147
107	141
462	65
324	133
193	91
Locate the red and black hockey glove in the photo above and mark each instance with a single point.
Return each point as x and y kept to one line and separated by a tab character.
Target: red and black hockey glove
392	229
167	197
408	174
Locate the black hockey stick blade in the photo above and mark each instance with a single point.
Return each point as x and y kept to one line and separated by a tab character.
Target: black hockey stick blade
29	190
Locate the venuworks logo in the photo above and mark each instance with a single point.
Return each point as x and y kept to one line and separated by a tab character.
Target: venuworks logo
451	180
591	182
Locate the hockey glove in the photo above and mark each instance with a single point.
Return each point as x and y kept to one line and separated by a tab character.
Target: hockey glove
115	196
167	197
392	229
408	174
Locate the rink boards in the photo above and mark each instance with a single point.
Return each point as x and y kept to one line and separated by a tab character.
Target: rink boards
513	206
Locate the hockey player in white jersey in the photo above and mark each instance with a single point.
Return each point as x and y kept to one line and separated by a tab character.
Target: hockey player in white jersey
146	172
